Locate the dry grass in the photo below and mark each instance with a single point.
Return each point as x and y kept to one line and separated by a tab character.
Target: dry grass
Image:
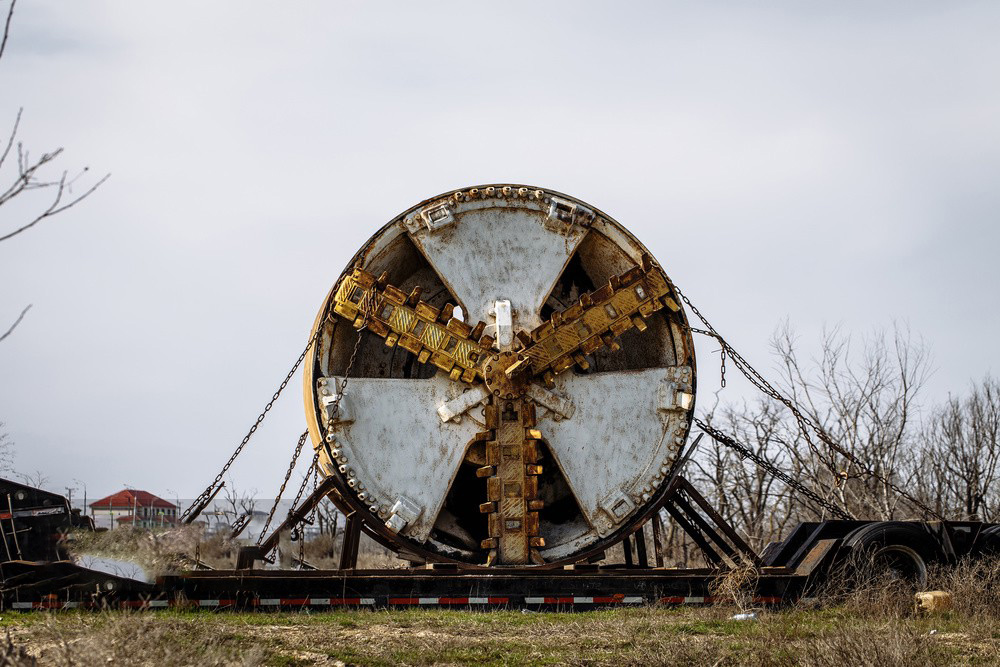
648	636
875	624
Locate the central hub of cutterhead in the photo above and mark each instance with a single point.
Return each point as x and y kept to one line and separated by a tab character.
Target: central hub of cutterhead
498	382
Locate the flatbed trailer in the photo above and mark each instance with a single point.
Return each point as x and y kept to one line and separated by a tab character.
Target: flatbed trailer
788	572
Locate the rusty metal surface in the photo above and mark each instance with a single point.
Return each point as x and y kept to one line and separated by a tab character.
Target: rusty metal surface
573	319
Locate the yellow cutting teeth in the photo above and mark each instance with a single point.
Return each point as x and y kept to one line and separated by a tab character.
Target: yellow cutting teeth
598	319
432	334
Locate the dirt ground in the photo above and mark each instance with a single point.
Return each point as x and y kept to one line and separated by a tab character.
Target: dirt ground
638	636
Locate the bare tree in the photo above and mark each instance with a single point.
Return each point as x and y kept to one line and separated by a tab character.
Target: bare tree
237	503
6	452
37	479
864	398
962	454
32	175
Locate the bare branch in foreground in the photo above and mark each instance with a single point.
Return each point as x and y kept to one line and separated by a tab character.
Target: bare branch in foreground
18	321
6	27
55	208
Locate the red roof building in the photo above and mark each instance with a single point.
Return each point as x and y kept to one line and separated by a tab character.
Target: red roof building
135	507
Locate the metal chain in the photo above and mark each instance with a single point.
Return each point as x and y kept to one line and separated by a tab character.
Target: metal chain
368	304
281	491
805	423
311	518
200	503
746	453
722	369
305	483
298	532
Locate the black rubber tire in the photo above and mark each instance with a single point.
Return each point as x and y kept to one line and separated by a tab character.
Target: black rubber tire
904	548
988	543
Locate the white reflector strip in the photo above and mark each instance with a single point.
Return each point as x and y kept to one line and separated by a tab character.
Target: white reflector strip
21	605
270	602
632	600
319	601
158	603
367	600
582	600
208	603
427	600
694	600
479	600
534	600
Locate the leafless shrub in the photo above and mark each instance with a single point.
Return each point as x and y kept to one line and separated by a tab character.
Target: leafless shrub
974	584
737	587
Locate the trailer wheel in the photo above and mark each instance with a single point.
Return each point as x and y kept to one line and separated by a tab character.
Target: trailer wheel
988	544
900	548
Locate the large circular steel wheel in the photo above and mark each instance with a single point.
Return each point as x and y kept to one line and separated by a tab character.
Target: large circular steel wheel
523	379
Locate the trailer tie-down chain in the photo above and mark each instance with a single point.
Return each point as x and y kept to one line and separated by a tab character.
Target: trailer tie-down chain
369	303
284	483
746	453
368	306
805	423
202	501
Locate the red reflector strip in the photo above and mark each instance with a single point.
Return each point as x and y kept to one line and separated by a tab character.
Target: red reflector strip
404	600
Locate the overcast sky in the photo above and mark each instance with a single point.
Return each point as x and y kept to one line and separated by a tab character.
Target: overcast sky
828	163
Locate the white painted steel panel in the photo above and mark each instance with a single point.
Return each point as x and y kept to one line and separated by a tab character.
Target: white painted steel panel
617	441
499	253
396	444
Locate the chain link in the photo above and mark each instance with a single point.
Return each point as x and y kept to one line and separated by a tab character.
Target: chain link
746	453
305	483
368	303
281	491
805	423
200	503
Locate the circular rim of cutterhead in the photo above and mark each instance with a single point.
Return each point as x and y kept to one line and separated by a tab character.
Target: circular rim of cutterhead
347	495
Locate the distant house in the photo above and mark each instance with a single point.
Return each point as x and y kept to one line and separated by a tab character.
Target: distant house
132	507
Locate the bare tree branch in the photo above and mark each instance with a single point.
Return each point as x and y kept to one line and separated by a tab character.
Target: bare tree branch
29	172
55	207
6	27
13	135
16	322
